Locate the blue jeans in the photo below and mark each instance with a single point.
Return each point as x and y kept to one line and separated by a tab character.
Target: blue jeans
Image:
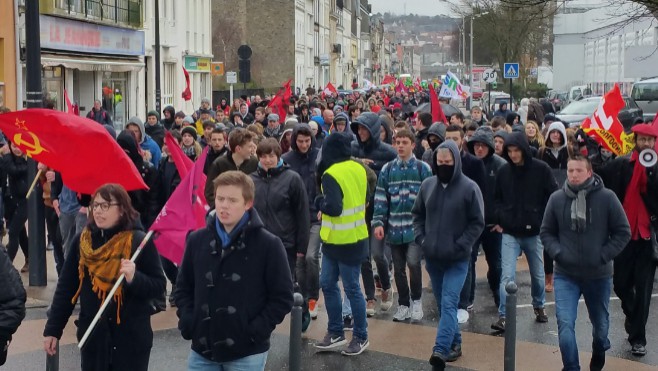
349	275
196	362
510	250
597	297
450	277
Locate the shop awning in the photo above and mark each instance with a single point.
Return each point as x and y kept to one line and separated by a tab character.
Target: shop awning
91	63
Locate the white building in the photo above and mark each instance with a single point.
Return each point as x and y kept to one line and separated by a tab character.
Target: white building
185	41
598	46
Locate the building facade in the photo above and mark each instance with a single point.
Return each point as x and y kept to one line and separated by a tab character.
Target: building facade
9	56
600	46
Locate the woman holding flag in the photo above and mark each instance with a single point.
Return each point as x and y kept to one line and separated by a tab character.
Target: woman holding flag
123	338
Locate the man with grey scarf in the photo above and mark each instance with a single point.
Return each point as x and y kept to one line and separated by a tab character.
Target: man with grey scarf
583	230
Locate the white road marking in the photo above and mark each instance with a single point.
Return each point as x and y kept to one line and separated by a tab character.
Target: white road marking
579	301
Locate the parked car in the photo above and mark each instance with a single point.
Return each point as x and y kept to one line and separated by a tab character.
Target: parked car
645	94
558	98
493	99
579	110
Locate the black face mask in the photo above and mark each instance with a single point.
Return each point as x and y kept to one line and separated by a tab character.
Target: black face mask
444	173
435	145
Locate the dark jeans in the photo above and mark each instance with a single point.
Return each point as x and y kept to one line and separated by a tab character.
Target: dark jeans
634	271
408	254
308	267
469	283
491	242
597	298
379	250
52	222
17	217
548	262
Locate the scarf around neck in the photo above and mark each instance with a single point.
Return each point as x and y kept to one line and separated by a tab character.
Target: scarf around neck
578	196
103	265
636	211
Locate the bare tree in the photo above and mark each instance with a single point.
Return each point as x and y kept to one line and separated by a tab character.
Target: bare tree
226	40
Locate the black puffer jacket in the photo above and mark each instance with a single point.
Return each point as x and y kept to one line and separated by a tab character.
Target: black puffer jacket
282	204
373	149
230	300
305	164
492	165
16	168
12	298
522	191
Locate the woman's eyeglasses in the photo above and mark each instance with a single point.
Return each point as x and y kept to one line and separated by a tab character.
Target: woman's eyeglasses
104	206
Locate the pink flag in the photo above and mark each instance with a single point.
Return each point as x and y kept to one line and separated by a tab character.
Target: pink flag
183	163
185	211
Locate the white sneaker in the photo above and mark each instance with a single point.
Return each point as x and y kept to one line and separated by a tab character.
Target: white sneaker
387	300
416	310
462	316
402	314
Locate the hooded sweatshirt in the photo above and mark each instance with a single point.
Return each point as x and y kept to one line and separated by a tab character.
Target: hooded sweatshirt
437	129
147	143
169	123
305	165
372	149
585	254
556	158
330	202
448	218
157	131
492	164
522	190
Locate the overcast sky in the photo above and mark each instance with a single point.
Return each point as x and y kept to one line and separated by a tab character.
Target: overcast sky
423	7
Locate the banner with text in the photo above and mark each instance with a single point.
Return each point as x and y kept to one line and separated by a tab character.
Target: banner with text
452	88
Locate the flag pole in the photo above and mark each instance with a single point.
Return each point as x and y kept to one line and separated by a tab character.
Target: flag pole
34	183
110	295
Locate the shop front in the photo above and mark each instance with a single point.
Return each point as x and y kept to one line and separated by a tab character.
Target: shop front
91	62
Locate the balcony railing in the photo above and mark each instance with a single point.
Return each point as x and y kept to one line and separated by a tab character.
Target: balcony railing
125	13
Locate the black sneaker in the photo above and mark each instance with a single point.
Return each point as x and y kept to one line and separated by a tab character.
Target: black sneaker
541	315
499	325
437	361
639	350
455	353
356	347
597	362
331	341
348	323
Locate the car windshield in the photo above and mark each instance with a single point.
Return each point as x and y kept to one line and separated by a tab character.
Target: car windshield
645	91
581	107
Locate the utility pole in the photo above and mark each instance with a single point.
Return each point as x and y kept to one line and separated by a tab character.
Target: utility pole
158	92
470	70
36	222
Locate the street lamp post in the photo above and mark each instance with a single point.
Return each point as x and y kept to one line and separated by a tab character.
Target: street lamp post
470	69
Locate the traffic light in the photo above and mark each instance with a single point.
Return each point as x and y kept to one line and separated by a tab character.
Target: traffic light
245	70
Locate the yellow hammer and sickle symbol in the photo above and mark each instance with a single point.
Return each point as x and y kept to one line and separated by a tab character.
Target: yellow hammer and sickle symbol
33	148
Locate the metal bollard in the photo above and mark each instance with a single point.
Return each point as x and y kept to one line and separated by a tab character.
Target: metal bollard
510	326
52	362
295	355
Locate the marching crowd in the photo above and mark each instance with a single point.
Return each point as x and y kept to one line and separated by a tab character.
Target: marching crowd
341	181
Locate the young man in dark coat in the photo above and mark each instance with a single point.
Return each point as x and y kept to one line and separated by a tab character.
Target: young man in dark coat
240	157
481	144
636	188
154	128
448	218
523	187
234	285
584	229
303	160
217	147
422	125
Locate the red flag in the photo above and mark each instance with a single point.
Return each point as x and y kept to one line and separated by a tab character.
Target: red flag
399	87
69	106
80	149
185	211
388	79
604	125
435	106
183	163
187	93
281	101
330	89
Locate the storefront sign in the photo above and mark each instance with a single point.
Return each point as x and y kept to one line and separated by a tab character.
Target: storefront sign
197	64
70	35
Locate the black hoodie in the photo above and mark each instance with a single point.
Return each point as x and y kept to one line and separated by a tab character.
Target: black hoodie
306	166
168	123
522	191
373	149
144	201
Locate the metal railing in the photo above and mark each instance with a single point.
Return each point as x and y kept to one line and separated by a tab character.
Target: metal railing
118	12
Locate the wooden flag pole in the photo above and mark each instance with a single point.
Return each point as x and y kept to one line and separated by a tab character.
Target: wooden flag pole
34	183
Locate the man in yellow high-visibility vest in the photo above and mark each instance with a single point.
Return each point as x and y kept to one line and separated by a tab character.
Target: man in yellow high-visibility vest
344	235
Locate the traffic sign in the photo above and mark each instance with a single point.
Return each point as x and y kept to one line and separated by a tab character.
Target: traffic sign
232	77
489	75
511	71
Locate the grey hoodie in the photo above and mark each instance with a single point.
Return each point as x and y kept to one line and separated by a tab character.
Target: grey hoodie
448	220
587	254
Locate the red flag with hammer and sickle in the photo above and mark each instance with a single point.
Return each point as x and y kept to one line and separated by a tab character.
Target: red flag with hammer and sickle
80	149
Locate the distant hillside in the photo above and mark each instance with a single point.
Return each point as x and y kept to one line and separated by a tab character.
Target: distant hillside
416	24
